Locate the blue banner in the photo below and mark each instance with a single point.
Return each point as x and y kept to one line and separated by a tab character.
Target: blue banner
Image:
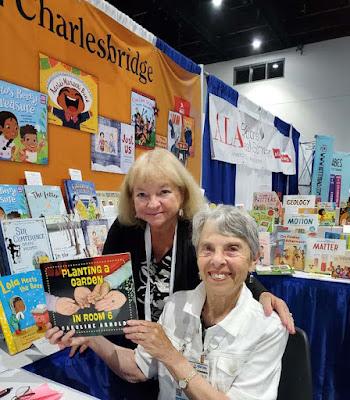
322	166
339	177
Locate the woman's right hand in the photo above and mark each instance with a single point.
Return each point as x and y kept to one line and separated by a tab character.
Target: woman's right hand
57	336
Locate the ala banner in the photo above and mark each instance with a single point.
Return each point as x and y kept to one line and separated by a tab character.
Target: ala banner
239	138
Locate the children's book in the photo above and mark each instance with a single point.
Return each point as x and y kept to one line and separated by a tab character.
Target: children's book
265	219
281	269
291	203
109	202
24	113
176	138
268	201
307	223
24	243
13	202
265	248
290	249
320	254
95	234
23	310
188	134
95	296
341	267
143	119
66	237
82	199
344	214
113	149
45	200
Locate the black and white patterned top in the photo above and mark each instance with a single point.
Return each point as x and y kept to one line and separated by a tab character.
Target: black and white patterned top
159	284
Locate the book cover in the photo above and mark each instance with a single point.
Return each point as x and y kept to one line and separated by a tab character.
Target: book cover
344	213
23	310
341	267
143	119
188	134
331	188
24	113
109	202
44	200
13	202
327	216
72	95
290	249
100	291
66	237
24	244
293	202
307	223
265	248
268	201
176	138
265	219
82	198
320	254
95	234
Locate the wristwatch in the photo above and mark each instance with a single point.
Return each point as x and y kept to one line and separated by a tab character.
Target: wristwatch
184	382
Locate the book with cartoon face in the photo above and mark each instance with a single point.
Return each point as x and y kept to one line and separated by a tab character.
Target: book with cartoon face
23	310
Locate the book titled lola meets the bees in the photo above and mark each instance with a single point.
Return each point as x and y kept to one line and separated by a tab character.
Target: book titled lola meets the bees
94	296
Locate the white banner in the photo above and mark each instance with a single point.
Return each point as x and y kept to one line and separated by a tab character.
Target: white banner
239	138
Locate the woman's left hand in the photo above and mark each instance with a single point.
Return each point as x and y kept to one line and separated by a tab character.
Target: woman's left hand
151	337
270	303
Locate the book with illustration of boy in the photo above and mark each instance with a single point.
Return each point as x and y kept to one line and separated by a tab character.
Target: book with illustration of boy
82	198
95	296
23	310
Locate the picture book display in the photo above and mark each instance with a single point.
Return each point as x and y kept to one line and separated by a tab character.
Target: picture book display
82	198
66	237
95	234
95	296
13	202
143	119
23	124
320	254
24	243
45	200
72	95
23	310
113	148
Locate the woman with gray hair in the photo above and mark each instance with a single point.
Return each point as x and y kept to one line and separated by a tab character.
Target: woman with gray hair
213	342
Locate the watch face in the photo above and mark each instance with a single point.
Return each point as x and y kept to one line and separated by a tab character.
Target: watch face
182	384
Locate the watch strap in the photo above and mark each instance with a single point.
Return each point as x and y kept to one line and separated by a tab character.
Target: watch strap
186	380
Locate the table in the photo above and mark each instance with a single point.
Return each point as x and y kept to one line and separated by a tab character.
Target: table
19	377
322	309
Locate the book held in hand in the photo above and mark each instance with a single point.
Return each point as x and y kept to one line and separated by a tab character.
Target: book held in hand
95	296
23	310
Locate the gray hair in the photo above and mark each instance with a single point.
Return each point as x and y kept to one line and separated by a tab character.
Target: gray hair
230	221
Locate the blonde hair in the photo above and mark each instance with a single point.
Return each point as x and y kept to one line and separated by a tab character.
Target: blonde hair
153	166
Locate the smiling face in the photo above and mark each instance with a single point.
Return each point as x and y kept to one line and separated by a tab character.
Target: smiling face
70	99
157	203
30	142
223	261
10	128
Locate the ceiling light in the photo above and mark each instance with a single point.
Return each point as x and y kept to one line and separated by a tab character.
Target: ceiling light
274	65
256	43
217	3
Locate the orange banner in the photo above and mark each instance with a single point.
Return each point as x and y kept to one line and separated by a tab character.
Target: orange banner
81	37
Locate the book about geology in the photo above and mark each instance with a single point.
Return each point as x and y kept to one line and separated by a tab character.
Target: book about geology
13	202
95	296
24	243
45	200
23	310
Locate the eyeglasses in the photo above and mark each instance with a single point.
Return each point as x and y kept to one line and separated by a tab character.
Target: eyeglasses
23	392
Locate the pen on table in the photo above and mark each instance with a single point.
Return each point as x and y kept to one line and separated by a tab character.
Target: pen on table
4	392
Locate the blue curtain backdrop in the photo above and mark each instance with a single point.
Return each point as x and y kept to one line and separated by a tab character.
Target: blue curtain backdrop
218	178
